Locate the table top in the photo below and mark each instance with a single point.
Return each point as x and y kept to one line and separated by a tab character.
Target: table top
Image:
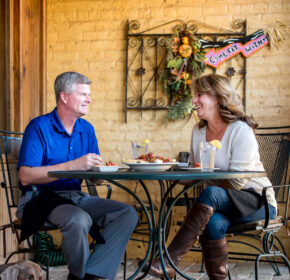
161	175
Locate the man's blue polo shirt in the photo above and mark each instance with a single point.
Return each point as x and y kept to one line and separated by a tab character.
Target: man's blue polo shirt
46	142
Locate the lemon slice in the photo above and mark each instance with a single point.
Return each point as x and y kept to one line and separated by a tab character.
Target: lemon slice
145	142
216	143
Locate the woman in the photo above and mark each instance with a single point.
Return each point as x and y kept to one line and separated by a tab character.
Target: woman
225	202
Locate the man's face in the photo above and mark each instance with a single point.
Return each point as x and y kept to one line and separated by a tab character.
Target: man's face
78	100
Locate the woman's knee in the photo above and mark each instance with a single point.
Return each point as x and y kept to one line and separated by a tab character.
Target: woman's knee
217	227
211	195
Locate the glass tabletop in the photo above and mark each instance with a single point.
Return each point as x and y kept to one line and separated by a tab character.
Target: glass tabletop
160	175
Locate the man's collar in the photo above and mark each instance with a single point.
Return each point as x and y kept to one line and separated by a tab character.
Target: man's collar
59	126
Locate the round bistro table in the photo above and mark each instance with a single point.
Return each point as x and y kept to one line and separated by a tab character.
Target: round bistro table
171	178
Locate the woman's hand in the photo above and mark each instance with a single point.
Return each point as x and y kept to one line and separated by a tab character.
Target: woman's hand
187	182
223	184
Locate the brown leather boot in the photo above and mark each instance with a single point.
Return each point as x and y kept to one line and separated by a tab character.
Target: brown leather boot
215	254
194	225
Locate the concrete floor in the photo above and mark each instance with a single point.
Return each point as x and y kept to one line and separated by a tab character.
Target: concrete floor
239	271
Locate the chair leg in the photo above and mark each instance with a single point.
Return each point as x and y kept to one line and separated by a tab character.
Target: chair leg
125	265
47	267
275	254
3	228
276	267
202	265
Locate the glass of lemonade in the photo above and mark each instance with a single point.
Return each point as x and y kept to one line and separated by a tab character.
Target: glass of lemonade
138	149
207	156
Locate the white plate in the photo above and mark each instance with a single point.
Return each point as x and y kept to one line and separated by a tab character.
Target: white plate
106	168
151	166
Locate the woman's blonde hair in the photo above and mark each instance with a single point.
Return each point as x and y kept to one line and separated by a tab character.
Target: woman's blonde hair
229	104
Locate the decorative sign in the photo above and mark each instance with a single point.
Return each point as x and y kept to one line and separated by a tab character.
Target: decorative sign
215	58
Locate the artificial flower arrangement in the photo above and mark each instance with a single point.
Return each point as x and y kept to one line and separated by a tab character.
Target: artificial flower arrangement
184	62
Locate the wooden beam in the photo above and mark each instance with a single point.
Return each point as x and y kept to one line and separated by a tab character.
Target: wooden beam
25	61
2	66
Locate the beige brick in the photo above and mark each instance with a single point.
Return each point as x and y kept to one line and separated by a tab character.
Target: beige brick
107	14
192	3
221	10
247	8
277	5
208	10
262	7
171	2
271	17
170	12
156	12
235	10
144	13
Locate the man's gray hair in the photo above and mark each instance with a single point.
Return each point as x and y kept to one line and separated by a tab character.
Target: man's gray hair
65	82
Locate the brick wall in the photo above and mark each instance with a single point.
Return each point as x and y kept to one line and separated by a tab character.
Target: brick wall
88	36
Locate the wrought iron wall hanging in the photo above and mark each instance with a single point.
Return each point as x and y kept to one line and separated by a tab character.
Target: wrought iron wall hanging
145	59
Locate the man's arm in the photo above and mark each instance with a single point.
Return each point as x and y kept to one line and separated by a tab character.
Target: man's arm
38	175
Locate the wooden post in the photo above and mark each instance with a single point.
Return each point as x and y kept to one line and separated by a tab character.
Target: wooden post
25	62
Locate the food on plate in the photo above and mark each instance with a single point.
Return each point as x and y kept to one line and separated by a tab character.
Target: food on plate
108	163
216	143
197	164
135	161
152	158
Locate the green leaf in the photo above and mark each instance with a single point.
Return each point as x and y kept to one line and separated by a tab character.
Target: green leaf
175	63
197	57
180	109
177	85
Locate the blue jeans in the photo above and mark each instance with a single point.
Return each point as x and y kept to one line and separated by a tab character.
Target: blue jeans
223	217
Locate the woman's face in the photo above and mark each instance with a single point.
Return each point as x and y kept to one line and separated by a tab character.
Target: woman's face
206	105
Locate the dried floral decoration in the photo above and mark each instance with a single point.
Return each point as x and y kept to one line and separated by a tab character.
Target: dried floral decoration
276	32
184	62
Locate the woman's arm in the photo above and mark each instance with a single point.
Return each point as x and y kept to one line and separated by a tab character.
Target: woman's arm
226	184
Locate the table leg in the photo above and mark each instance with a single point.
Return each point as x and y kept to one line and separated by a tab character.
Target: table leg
151	224
162	222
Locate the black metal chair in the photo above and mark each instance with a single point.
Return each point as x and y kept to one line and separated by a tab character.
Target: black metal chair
274	147
10	143
93	189
274	151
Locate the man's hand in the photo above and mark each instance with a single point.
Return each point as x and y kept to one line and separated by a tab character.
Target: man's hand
86	162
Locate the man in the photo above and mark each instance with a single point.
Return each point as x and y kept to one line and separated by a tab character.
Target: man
62	140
